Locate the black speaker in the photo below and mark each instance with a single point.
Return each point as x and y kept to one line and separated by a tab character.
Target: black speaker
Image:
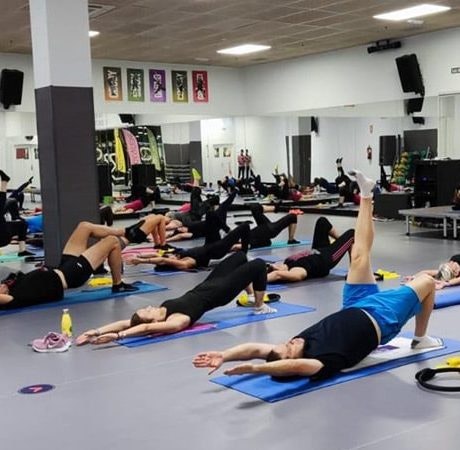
410	75
104	180
387	150
414	105
314	125
419	120
143	175
127	118
11	87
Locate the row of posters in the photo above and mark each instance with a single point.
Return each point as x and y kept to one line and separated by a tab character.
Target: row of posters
113	86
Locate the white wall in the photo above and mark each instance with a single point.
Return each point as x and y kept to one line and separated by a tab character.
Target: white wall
350	137
351	76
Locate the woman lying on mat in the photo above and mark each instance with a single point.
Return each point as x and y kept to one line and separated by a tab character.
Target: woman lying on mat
176	231
140	198
317	262
224	283
266	230
339	341
9	229
78	262
191	258
448	273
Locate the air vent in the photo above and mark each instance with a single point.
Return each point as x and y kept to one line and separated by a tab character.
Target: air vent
95	10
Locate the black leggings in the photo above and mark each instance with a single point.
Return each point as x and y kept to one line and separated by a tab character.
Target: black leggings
225	282
10	229
220	248
234	273
266	230
331	253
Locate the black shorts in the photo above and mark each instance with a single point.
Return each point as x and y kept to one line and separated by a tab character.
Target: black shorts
76	269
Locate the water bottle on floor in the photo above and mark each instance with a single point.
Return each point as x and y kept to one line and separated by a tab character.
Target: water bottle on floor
66	323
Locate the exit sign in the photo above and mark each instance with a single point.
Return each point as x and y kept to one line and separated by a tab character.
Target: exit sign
455	70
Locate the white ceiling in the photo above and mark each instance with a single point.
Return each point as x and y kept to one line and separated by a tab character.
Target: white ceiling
191	31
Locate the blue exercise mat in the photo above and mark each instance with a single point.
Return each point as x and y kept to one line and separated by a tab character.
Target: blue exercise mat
220	320
89	295
270	390
281	244
449	296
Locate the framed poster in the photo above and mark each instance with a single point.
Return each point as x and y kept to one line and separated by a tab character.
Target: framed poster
157	82
135	85
22	153
200	86
112	84
179	86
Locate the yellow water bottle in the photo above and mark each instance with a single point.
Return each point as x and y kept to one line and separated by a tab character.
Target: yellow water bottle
66	323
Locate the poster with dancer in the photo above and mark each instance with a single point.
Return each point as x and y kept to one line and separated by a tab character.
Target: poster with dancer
157	82
135	85
179	86
200	86
112	83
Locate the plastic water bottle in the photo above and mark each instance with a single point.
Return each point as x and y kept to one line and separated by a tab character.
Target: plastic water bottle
66	323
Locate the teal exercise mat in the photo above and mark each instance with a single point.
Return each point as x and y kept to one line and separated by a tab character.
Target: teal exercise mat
220	319
273	390
89	295
282	244
448	296
13	257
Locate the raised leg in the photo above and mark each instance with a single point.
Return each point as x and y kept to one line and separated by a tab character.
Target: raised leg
360	266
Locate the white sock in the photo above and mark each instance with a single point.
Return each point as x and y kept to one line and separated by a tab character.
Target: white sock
419	342
366	185
265	309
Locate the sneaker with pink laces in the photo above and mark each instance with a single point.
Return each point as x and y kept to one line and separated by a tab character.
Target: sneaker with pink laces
52	343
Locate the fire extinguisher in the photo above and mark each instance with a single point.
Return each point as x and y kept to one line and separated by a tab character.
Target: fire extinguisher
369	152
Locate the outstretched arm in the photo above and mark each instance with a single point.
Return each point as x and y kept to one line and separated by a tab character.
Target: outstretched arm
174	324
281	368
290	276
243	352
113	327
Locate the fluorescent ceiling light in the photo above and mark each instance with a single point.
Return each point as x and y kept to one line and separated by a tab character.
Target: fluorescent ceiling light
93	33
244	49
412	12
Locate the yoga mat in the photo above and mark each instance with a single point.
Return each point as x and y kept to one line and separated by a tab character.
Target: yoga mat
449	296
270	390
220	320
11	257
89	295
281	244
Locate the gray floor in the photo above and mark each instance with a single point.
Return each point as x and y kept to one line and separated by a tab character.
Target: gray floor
151	397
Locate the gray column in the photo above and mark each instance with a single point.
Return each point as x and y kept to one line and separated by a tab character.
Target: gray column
65	118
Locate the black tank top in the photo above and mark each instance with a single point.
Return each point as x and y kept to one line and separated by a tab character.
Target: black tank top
190	304
199	254
36	287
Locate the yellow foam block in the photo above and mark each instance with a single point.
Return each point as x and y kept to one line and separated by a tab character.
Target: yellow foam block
103	281
388	275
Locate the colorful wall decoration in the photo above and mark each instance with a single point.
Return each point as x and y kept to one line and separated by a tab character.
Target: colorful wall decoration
179	86
157	82
200	86
112	83
135	79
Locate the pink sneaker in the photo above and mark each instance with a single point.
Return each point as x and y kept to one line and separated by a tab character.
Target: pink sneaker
52	343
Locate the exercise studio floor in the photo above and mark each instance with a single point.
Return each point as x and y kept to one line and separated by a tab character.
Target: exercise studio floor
151	397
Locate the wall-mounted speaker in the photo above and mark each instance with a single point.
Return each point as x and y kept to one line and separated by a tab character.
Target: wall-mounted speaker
11	87
414	105
410	75
314	125
387	150
127	118
419	120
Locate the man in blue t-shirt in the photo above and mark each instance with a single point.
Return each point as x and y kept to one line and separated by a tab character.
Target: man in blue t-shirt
341	340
